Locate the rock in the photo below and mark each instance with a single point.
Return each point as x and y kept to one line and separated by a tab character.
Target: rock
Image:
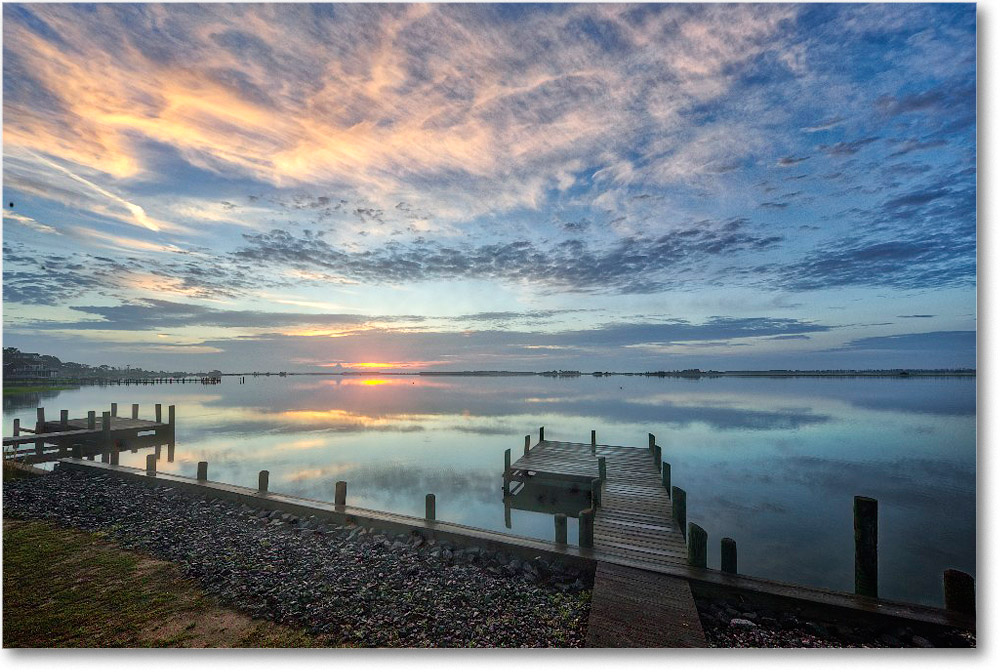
921	642
742	623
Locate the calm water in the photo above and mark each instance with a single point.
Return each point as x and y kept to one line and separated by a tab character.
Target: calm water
772	463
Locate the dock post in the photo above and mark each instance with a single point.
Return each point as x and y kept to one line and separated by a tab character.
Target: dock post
593	440
866	546
106	426
665	475
560	519
151	465
679	500
652	442
697	539
17	427
340	495
430	506
262	479
729	555
135	411
171	418
541	434
63	450
91	420
64	419
203	471
114	457
506	461
40	422
657	456
595	492
106	457
587	528
527	443
159	413
602	467
959	592
114	410
170	452
77	451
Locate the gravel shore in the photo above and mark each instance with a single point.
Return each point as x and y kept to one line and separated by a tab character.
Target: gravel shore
356	585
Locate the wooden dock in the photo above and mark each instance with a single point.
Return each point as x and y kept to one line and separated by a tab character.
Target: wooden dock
51	440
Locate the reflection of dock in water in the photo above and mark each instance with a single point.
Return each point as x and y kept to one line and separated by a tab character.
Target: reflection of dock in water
629	516
90	436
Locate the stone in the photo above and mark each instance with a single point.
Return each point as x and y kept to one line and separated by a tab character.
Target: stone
742	623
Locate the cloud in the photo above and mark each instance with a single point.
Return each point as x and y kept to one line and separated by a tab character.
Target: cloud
30	222
786	161
847	148
960	341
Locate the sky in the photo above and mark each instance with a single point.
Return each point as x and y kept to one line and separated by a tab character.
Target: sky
501	187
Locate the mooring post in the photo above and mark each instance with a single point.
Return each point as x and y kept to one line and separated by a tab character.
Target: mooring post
527	444
679	500
560	519
593	439
135	411
171	418
959	592
262	478
430	506
40	421
77	451
541	434
587	528
657	456
340	494
151	465
652	442
506	461
697	539
595	492
665	476
114	410
63	450
106	457
159	413
602	467
91	420
114	457
728	555
17	427
866	546
64	419
106	426
203	471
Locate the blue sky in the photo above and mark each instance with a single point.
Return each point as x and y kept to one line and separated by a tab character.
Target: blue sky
613	187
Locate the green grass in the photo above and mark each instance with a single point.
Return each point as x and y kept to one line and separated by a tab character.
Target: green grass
64	588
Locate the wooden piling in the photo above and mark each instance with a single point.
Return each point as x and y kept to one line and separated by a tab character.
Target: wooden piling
106	457
151	465
959	592
602	468
652	442
114	410
728	563
541	434
159	413
430	506
171	418
340	495
665	475
17	427
506	460
561	534
203	471
586	528
91	420
595	492
114	457
697	539
64	419
593	439
77	451
106	426
40	422
866	546
657	456
679	500
262	479
527	444
135	411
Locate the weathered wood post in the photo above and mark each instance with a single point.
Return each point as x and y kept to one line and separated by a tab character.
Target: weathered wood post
64	419
114	410
171	418
262	479
595	493
203	471
340	495
430	506
679	500
170	451
106	457
77	451
40	421
665	475
106	427
135	411
602	467
541	434
560	520
63	450
506	472
151	465
959	592
587	528
114	457
91	420
866	546
728	555
652	442
159	413
17	427
527	444
697	539
657	456
593	440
